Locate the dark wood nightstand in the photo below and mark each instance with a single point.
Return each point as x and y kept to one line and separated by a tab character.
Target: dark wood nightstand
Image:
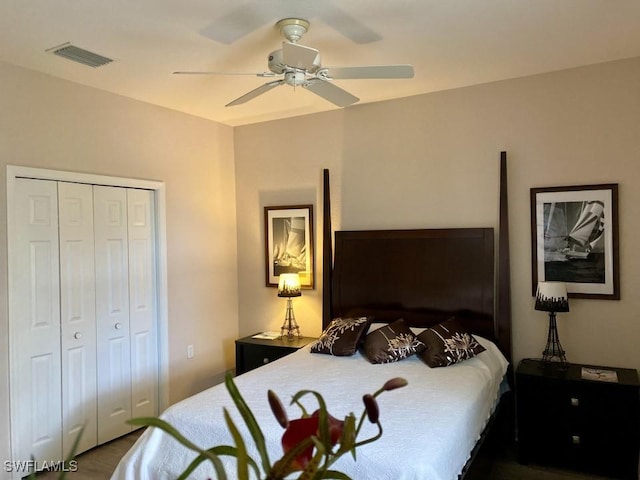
567	421
254	352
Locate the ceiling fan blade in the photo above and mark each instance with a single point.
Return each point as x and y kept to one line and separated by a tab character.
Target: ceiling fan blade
346	24
374	71
254	93
299	56
261	74
238	22
330	92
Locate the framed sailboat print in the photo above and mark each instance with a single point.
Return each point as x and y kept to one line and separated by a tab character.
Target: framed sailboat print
574	239
289	243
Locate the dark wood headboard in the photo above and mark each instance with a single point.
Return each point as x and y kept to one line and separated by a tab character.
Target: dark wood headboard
424	276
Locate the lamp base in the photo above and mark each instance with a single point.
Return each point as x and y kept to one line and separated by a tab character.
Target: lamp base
553	354
290	329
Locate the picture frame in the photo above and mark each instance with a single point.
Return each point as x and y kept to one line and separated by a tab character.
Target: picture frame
574	239
289	243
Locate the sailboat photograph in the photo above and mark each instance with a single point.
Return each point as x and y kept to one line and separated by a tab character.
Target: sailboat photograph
289	245
289	254
575	238
574	241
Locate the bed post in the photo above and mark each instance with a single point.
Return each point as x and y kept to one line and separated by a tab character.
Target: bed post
504	276
327	251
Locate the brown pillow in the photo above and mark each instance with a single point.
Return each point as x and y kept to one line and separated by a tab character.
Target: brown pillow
342	337
448	343
391	343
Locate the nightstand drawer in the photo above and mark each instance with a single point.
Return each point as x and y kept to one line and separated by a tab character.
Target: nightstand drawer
566	421
259	355
254	352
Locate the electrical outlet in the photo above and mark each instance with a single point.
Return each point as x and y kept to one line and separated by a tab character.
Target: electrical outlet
189	351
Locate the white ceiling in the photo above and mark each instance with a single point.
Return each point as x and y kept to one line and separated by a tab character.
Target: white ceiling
450	43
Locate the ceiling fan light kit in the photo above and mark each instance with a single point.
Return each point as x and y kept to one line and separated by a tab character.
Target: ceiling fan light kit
300	66
295	78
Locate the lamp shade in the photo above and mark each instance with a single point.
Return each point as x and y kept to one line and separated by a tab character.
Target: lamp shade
552	297
289	285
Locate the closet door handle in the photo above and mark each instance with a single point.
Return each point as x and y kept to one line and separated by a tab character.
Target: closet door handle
118	326
77	335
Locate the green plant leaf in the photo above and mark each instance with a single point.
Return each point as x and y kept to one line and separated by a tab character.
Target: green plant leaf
70	456
250	421
372	439
192	466
305	414
348	437
231	451
72	453
241	449
220	450
283	466
169	429
311	470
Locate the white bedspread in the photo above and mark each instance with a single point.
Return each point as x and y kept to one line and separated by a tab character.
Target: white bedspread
430	426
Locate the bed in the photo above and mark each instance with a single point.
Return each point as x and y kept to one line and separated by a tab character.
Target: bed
434	426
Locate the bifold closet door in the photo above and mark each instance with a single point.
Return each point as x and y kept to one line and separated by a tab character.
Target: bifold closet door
82	314
112	312
78	315
142	303
125	308
35	329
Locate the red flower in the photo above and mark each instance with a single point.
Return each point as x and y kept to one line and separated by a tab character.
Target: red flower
304	428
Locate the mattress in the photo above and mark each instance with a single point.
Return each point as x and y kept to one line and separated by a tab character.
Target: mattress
430	426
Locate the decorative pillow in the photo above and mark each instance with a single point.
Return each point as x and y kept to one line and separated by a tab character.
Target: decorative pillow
448	343
342	337
391	343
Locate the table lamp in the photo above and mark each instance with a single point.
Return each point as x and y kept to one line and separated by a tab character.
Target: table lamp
552	297
288	287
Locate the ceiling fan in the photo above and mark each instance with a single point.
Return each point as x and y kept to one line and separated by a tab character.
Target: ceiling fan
299	66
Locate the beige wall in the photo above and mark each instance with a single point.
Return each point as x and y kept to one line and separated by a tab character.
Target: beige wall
54	124
433	161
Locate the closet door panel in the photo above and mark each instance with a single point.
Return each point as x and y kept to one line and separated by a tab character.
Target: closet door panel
142	274
35	324
112	312
78	315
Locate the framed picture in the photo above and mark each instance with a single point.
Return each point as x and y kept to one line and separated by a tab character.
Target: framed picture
289	243
574	239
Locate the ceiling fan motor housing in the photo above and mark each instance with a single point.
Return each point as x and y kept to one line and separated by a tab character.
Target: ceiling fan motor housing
277	65
275	62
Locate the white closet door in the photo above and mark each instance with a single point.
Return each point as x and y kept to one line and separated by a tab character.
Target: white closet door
35	328
78	315
112	312
142	300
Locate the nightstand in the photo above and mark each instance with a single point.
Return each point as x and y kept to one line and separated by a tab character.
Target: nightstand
254	352
567	421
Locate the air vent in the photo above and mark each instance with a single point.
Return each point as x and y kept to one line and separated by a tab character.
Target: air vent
79	55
